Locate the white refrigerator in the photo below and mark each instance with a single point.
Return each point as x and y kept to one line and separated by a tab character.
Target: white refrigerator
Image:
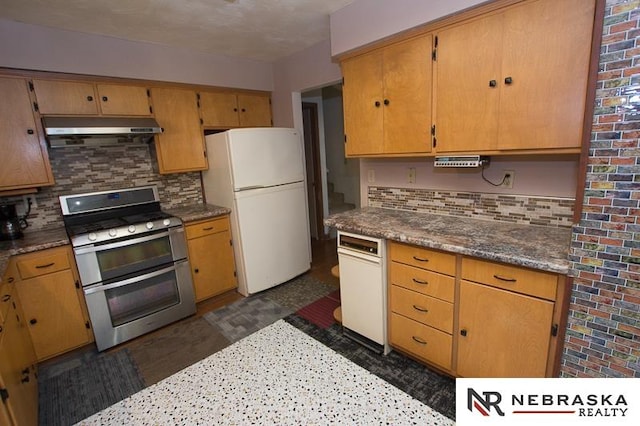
259	173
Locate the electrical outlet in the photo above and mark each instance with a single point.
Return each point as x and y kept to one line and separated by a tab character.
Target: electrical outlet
371	176
411	177
507	179
25	200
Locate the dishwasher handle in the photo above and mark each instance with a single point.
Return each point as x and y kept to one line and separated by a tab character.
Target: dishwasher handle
359	244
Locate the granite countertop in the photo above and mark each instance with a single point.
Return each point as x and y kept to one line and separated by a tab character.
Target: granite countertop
538	247
57	236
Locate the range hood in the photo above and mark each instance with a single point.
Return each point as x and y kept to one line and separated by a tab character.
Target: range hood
99	131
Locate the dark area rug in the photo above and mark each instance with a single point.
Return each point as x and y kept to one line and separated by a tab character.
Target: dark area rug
431	388
82	385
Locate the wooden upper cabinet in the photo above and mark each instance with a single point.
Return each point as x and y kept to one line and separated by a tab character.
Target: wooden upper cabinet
230	110
56	97
387	99
516	80
181	147
25	159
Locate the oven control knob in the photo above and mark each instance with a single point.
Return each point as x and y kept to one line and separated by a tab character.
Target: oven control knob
149	225
93	236
131	229
166	222
113	232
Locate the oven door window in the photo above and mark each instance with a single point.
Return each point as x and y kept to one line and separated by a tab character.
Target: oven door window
136	300
132	258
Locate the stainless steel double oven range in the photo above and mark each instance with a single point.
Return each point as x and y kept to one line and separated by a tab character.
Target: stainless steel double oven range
132	260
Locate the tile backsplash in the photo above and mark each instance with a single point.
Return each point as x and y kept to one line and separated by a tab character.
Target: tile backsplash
88	169
529	210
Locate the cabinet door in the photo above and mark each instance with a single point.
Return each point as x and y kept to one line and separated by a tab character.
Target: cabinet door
362	102
117	99
65	97
54	312
180	147
407	96
502	334
546	52
25	162
468	62
219	109
18	369
254	110
212	264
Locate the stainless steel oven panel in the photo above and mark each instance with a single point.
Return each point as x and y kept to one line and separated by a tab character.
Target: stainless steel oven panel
87	259
107	335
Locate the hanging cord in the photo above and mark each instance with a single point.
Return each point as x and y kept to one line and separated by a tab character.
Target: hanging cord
488	181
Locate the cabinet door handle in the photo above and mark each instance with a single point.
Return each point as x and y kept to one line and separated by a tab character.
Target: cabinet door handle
90	98
29	131
33	321
509	280
386	101
420	259
235	110
508	80
243	110
493	83
48	265
208	228
463	332
25	379
418	308
419	340
6	297
417	281
196	270
105	99
377	104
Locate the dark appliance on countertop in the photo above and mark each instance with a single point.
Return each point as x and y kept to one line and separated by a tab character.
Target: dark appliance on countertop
132	260
11	225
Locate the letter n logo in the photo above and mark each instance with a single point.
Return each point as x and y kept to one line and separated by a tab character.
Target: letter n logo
483	404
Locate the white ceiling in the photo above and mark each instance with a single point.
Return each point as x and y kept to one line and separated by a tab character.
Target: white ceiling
264	30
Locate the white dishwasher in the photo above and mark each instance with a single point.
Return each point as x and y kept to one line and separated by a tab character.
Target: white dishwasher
363	289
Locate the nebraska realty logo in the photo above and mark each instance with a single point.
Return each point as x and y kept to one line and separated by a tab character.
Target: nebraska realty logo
531	401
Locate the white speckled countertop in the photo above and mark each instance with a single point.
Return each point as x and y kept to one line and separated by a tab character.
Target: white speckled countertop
538	247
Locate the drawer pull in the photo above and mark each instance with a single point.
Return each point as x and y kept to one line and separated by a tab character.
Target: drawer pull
463	332
48	265
498	277
418	308
417	281
6	297
419	340
208	228
420	259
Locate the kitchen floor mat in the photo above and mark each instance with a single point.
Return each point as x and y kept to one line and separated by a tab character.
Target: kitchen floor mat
427	386
79	386
276	376
299	292
320	312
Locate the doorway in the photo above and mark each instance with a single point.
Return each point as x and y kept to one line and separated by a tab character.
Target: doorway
314	169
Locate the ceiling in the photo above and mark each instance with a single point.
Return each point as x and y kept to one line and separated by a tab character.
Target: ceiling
264	30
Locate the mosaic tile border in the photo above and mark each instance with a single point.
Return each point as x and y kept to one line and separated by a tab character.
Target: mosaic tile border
528	210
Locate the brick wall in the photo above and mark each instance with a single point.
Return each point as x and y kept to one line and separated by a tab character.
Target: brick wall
603	335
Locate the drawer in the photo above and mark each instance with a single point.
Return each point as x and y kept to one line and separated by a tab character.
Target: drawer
426	342
514	278
427	310
207	227
43	262
420	257
423	281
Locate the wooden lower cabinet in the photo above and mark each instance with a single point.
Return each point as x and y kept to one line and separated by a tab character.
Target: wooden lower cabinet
502	334
211	257
53	302
472	317
18	364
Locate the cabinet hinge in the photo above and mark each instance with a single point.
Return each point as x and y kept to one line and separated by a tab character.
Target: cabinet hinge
31	88
4	394
554	330
86	324
345	138
148	93
198	97
235	274
434	53
35	106
150	109
433	134
201	121
204	153
77	284
231	242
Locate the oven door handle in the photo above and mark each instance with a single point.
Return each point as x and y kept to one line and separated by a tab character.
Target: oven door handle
103	287
101	247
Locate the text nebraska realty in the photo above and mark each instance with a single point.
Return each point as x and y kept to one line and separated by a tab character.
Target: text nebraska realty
589	405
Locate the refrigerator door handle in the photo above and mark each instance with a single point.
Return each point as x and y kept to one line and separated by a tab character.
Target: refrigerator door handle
248	188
